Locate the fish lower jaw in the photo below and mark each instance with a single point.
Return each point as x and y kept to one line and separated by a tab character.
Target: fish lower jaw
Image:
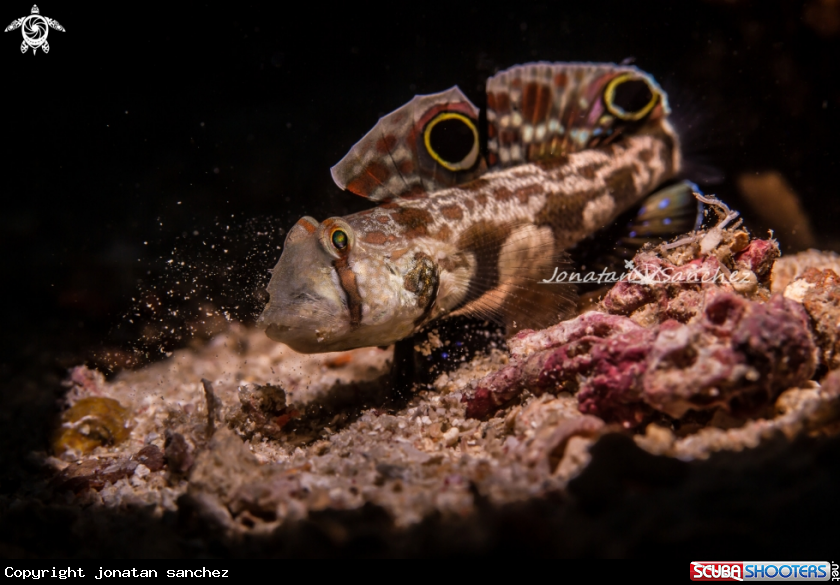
312	340
306	345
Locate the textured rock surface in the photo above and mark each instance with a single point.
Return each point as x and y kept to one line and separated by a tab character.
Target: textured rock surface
819	292
734	353
693	328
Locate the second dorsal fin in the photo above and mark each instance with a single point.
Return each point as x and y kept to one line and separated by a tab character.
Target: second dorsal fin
430	143
547	110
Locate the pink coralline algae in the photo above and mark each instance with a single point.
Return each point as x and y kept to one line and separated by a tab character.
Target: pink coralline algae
693	328
668	291
679	298
737	354
758	257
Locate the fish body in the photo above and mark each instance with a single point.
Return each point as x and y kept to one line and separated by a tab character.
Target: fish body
569	149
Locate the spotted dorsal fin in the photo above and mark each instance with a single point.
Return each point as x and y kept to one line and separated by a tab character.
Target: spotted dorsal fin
430	143
548	110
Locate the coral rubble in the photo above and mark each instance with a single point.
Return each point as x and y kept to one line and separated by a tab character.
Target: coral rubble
732	352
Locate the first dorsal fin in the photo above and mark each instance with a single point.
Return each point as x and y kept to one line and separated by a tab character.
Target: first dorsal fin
430	143
547	110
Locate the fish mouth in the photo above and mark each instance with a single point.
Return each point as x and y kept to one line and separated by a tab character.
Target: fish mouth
271	320
300	340
265	320
277	332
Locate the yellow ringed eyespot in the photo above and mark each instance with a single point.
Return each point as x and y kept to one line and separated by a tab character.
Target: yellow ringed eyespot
630	97
339	239
451	139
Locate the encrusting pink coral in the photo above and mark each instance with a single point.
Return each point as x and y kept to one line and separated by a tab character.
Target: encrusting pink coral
739	354
759	257
669	291
689	343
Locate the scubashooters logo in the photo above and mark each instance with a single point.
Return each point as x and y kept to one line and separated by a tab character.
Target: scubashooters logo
763	571
35	29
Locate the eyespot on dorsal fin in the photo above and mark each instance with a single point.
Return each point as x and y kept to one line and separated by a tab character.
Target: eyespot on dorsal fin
430	143
541	111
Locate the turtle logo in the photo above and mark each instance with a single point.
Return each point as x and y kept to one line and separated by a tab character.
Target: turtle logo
35	28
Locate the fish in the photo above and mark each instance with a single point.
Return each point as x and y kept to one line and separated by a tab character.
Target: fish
463	230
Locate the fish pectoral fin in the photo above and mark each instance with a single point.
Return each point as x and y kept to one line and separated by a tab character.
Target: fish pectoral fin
512	280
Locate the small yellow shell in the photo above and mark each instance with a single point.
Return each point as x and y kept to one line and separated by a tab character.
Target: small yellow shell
89	423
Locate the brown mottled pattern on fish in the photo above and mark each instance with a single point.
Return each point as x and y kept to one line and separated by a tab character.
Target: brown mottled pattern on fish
454	238
544	193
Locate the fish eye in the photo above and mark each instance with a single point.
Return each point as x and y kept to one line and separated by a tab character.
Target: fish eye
452	140
336	237
339	239
630	97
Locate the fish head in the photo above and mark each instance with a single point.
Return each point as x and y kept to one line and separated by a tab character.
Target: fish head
307	305
331	292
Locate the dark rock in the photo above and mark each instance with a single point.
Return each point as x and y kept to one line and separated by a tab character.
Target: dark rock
178	453
151	456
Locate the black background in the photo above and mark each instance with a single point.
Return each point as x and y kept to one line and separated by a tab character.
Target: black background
145	124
